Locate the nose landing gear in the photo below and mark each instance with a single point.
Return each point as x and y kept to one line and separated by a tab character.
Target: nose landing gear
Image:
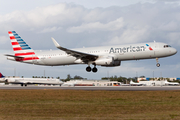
158	65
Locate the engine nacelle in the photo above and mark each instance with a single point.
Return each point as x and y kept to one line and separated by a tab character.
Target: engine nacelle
115	63
10	80
107	62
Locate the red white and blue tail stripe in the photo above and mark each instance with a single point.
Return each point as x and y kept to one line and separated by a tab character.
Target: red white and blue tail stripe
1	75
23	51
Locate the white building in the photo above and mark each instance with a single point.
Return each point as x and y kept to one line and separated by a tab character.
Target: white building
91	83
153	83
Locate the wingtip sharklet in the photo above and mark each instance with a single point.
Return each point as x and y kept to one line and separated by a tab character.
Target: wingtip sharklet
55	42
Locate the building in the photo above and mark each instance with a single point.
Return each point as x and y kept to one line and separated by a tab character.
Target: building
153	83
156	79
91	83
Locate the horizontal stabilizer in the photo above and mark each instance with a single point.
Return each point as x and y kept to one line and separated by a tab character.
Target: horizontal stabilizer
13	56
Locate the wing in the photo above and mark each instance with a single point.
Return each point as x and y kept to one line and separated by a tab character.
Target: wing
85	57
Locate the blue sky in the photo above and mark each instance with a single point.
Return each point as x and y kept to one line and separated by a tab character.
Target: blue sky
80	23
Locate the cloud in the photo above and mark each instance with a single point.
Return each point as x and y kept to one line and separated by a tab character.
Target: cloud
60	14
75	26
4	39
97	26
52	29
133	35
133	23
167	0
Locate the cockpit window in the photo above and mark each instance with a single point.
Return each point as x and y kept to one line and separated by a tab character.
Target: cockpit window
165	46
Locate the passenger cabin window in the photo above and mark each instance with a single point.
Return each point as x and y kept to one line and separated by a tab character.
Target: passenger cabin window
166	46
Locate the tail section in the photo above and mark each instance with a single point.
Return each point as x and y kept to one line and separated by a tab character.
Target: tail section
1	75
131	82
23	51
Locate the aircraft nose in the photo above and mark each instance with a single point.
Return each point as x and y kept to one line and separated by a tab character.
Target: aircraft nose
174	51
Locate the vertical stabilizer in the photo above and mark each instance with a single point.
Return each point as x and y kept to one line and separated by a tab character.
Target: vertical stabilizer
23	51
1	75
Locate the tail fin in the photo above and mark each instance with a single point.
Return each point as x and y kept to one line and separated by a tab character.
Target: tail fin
131	82
22	50
1	76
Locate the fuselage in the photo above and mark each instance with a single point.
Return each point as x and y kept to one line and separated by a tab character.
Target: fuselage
118	52
34	81
108	56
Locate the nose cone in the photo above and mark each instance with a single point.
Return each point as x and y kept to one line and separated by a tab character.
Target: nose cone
173	51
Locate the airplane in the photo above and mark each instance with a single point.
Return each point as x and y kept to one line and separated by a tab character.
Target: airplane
106	56
171	83
67	84
2	77
136	84
26	81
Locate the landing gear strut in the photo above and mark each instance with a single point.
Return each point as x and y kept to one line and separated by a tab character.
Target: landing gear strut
158	65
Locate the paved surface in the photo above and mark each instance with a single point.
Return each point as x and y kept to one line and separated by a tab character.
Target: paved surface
117	88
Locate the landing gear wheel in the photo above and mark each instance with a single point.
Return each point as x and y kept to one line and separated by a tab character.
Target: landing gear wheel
88	69
158	65
94	70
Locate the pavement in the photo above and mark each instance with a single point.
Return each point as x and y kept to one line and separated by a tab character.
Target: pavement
114	88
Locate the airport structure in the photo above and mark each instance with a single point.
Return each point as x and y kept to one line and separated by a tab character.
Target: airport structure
82	82
101	83
156	79
106	83
153	83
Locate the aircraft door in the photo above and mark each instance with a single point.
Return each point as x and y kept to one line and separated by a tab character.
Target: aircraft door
157	49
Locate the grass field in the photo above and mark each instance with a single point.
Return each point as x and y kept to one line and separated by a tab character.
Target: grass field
89	105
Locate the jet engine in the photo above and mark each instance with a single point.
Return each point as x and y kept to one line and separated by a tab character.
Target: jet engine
107	62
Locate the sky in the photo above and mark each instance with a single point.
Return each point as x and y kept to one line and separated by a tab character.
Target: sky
80	23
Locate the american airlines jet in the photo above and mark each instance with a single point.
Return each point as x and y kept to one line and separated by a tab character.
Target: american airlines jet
107	56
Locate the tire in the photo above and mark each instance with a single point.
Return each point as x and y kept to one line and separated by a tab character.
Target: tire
158	65
88	69
94	69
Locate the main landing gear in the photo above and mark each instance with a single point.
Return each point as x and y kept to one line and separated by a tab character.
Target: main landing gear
94	69
158	65
23	85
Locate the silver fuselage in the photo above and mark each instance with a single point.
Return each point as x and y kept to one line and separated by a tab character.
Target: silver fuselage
118	52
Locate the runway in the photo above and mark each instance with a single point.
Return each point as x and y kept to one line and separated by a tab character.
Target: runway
116	88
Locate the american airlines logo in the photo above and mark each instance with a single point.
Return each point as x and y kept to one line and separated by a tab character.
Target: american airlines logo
127	49
149	47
